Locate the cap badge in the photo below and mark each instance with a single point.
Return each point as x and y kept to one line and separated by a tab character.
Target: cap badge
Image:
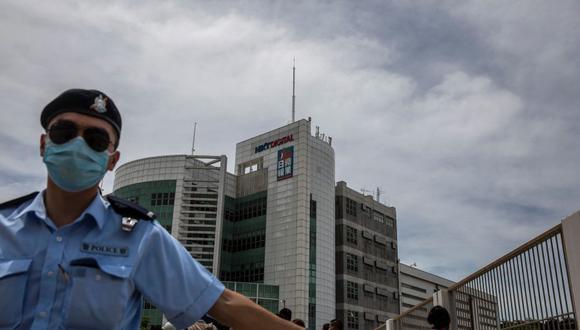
100	104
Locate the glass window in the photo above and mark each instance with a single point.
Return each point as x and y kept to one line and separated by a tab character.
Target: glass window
351	207
351	290
352	262
352	319
351	235
379	217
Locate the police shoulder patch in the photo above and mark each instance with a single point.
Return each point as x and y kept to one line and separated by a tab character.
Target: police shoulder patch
17	201
129	210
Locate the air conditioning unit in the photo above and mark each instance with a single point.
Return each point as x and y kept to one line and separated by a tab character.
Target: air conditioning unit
393	245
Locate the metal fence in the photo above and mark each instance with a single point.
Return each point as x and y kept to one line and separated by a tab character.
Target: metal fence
527	289
414	318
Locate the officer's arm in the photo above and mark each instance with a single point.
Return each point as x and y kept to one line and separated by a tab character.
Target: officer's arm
241	313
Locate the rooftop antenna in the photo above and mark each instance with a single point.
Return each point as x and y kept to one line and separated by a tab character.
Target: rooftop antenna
364	191
379	192
294	90
193	145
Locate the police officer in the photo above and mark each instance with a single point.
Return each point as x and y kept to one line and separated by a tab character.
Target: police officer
73	259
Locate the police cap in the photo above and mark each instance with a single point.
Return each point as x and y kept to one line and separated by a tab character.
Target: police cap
84	101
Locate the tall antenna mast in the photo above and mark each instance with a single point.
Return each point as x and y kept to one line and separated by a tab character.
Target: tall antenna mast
193	145
294	90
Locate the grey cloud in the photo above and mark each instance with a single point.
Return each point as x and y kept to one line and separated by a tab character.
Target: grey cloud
467	121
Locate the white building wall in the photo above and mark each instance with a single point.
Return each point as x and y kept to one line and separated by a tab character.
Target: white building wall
192	176
287	245
417	285
321	181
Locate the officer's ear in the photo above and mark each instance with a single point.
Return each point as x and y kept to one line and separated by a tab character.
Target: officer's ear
113	159
42	144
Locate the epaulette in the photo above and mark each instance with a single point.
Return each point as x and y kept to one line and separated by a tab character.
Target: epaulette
17	201
130	212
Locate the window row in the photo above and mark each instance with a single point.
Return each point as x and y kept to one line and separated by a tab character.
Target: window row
246	210
246	275
351	209
352	264
158	199
251	241
352	291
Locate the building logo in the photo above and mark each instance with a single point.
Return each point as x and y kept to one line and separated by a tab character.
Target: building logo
285	165
275	143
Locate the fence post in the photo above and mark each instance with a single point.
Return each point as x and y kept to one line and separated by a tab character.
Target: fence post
441	298
392	324
445	298
570	235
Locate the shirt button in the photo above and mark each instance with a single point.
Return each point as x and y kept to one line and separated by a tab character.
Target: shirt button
42	314
59	238
49	274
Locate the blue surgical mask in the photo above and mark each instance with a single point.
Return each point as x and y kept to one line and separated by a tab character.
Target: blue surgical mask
74	166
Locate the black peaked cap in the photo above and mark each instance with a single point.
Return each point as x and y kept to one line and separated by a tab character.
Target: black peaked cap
84	101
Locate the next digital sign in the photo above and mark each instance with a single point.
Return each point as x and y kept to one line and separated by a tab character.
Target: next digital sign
272	144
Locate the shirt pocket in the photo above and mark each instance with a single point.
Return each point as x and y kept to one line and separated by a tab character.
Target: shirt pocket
99	294
13	280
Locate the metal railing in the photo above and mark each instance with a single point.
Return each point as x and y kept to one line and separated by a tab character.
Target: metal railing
528	288
414	318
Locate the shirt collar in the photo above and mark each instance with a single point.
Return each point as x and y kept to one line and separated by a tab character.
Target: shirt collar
96	209
36	206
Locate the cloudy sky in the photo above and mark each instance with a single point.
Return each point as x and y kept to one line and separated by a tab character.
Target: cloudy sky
466	114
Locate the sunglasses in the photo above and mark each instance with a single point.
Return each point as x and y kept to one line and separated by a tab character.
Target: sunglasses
65	130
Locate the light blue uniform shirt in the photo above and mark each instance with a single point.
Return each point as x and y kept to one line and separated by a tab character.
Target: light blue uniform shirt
91	274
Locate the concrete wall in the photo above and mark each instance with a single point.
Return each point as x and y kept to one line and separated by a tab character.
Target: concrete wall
571	233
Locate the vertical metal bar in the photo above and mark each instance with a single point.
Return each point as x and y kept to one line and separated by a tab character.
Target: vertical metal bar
560	289
473	300
531	285
509	294
469	297
472	304
555	272
513	292
521	290
530	290
492	297
504	284
490	302
551	268
499	299
575	304
525	289
484	279
553	295
538	282
481	303
552	299
478	303
546	286
563	272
